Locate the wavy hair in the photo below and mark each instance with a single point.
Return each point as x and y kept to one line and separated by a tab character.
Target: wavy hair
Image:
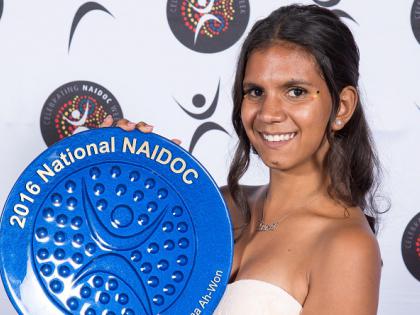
351	162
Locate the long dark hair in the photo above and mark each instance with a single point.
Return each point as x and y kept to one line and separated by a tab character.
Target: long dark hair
351	162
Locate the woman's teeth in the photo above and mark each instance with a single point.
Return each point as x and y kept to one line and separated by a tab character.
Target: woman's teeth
279	137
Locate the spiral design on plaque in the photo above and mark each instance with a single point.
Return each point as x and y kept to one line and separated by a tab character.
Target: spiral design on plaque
113	237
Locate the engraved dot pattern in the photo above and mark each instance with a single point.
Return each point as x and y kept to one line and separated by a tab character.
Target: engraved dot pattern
124	202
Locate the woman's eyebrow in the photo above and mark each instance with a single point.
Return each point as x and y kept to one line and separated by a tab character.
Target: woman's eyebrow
294	82
248	84
288	84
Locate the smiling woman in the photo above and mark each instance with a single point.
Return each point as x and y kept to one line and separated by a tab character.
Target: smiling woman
305	242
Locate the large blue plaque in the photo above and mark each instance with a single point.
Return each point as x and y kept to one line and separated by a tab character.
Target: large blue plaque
115	222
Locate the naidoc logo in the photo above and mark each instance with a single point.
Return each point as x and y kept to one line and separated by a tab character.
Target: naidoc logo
410	246
199	101
75	107
332	3
208	26
415	19
81	12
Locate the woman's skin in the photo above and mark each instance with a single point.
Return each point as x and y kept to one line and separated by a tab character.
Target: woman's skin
322	253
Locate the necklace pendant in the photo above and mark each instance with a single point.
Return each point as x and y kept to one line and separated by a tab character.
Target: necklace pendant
267	227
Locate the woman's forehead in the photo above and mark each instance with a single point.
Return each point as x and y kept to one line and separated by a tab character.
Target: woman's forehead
282	62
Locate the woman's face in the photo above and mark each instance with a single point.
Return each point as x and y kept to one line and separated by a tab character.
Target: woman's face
286	107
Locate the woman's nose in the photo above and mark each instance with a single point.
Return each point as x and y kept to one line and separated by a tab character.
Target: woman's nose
272	110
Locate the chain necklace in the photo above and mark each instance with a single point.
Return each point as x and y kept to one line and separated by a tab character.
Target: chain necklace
266	227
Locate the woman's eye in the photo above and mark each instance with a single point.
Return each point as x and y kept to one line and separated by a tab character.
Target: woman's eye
296	92
254	92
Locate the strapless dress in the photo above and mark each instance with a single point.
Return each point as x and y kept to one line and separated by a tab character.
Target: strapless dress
256	297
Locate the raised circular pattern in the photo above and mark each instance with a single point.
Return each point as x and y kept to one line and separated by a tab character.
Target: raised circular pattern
162	193
71	203
48	214
70	186
56	199
122	216
85	292
95	173
61	220
136	256
73	303
112	284
122	299
98	189
120	190
167	226
138	195
149	183
143	219
134	176
177	211
115	171
101	204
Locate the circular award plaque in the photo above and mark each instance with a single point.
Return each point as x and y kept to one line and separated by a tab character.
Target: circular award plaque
113	222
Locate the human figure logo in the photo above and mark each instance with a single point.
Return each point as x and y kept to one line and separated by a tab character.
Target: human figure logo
199	101
208	26
75	107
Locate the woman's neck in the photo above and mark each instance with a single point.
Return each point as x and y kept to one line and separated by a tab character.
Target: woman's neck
293	190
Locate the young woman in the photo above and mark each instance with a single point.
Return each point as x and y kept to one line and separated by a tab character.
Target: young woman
303	243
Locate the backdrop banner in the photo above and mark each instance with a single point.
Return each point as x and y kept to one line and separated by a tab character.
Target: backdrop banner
66	65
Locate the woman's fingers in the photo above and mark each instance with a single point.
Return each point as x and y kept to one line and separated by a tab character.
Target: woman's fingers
144	127
107	122
125	124
128	126
177	141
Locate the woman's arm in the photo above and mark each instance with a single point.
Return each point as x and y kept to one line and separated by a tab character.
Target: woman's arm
345	275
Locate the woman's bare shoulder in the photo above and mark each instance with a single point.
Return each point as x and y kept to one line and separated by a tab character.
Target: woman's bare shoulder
346	262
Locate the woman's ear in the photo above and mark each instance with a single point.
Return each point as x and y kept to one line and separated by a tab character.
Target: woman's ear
348	103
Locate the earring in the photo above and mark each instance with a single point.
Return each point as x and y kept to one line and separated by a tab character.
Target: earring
338	122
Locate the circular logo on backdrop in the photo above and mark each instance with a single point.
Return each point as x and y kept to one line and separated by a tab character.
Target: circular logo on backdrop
410	246
208	26
75	107
415	19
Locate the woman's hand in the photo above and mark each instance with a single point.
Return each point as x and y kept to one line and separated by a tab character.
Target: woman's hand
129	126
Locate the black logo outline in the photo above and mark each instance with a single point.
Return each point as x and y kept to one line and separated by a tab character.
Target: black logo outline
1	8
199	101
415	19
81	12
338	12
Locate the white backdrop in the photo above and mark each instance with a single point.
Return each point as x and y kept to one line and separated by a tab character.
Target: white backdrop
136	56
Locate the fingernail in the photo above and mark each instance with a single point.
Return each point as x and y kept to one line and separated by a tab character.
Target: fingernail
131	124
148	127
